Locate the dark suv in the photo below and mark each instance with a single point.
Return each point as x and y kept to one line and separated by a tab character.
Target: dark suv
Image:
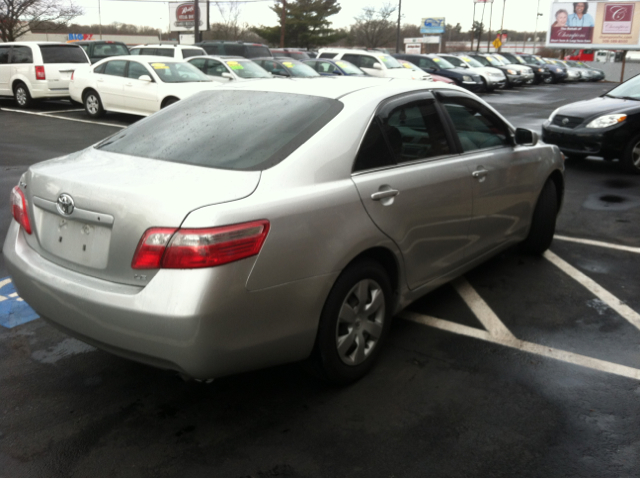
236	49
99	49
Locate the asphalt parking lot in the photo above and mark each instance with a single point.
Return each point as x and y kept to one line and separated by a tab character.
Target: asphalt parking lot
523	367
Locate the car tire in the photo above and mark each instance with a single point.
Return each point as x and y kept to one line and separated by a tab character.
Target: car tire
550	79
354	323
22	95
631	157
543	222
485	87
93	104
169	101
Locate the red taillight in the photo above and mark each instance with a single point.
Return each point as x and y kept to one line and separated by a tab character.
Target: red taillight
19	209
72	73
40	75
199	248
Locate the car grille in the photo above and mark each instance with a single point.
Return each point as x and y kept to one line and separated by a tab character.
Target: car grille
566	121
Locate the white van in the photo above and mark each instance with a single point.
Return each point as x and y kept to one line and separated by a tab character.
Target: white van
34	70
179	52
373	62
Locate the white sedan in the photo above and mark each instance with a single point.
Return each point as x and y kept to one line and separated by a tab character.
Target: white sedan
140	85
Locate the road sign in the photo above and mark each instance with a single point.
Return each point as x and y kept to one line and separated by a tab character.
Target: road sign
433	25
497	43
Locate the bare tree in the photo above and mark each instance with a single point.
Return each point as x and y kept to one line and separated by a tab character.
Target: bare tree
17	17
373	28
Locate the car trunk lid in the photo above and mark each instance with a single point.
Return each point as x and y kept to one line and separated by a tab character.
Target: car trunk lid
115	198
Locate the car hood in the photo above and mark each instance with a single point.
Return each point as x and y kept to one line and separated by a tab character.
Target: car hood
404	73
599	106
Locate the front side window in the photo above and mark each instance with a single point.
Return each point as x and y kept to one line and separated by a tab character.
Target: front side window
199	63
115	68
215	68
21	55
476	125
136	70
355	59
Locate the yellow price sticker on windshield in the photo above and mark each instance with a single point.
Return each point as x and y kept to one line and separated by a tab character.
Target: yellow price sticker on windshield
159	66
383	58
288	64
436	59
341	64
235	65
406	65
466	59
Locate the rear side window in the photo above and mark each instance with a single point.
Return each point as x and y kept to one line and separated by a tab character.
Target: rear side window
374	151
329	55
355	59
135	51
63	54
235	50
100	68
21	55
4	54
115	68
279	123
166	52
211	49
191	53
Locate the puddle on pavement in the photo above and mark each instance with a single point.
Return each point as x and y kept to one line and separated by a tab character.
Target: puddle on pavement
610	201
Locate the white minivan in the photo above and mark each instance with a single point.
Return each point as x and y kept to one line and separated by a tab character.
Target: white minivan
38	70
373	62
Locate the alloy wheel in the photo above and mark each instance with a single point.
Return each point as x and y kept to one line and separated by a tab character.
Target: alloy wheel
635	155
360	322
21	96
93	104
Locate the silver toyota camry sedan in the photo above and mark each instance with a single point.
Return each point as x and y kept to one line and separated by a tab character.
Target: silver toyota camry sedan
275	221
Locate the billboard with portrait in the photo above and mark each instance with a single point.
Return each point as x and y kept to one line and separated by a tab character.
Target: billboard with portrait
599	24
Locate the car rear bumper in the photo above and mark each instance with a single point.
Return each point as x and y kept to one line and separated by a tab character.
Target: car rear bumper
203	322
585	141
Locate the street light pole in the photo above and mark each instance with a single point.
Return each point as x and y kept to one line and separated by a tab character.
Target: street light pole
535	34
398	30
100	19
473	37
484	6
504	6
283	19
489	35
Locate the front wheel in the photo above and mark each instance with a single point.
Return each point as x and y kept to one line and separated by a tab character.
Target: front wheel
631	158
543	222
93	104
548	80
354	323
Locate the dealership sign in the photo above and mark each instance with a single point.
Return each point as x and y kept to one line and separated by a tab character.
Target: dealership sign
183	16
432	25
598	24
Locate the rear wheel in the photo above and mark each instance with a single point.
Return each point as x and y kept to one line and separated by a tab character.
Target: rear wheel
22	95
631	158
169	101
543	222
93	104
354	323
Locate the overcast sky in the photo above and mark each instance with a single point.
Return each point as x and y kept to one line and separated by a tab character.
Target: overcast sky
519	15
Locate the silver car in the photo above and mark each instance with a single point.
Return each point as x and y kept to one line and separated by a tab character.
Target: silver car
491	77
269	222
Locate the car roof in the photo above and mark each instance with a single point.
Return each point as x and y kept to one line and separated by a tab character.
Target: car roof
145	58
337	87
222	57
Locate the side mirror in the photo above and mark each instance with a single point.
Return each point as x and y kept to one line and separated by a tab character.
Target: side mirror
430	70
526	137
227	75
377	66
146	78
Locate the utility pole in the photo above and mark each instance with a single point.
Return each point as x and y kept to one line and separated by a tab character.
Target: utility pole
484	6
398	31
535	35
196	22
473	37
283	20
100	19
504	5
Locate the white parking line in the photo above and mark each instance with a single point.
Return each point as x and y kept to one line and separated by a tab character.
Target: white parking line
2	283
559	354
481	309
602	244
62	117
61	111
616	304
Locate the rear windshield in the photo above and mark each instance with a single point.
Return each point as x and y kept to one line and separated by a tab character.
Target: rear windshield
256	51
109	50
251	130
63	54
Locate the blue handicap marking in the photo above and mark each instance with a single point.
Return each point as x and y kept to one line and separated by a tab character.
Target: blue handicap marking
13	310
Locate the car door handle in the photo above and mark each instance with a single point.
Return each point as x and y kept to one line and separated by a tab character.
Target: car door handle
379	195
480	173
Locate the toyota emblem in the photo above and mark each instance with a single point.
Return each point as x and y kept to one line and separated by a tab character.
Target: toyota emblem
65	204
565	121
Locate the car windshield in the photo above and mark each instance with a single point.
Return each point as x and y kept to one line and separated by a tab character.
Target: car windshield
504	60
109	49
174	72
298	69
483	61
494	61
250	130
247	69
532	59
389	61
572	64
629	89
349	68
456	62
472	62
442	63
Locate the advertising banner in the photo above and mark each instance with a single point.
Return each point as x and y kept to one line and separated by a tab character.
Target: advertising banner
182	16
598	24
433	25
